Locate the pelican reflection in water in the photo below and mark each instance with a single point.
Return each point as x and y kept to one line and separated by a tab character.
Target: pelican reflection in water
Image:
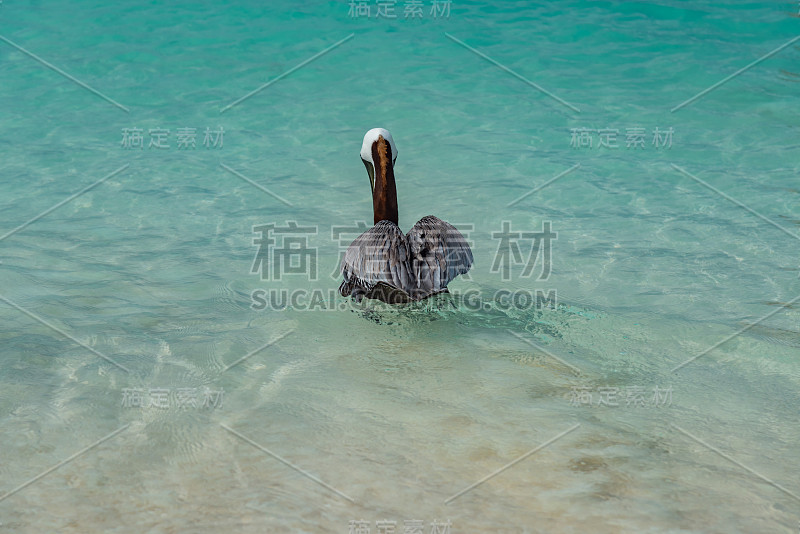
384	264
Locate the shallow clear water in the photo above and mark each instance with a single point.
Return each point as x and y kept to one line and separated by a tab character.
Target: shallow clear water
142	284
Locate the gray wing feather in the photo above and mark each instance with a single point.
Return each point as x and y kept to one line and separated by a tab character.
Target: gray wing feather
419	264
378	255
438	253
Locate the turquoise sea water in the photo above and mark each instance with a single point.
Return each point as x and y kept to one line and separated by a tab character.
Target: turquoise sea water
143	285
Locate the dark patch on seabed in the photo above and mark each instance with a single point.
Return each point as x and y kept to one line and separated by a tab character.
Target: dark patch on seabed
779	336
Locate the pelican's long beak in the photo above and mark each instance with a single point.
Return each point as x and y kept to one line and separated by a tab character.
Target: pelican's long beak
371	172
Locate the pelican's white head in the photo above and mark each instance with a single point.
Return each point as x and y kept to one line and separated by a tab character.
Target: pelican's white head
370	140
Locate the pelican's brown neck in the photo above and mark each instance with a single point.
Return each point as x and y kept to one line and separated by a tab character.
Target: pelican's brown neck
384	194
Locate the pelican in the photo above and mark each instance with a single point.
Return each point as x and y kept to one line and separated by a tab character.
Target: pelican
384	264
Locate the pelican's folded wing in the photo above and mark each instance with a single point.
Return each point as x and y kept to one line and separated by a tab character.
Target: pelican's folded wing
378	255
439	253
